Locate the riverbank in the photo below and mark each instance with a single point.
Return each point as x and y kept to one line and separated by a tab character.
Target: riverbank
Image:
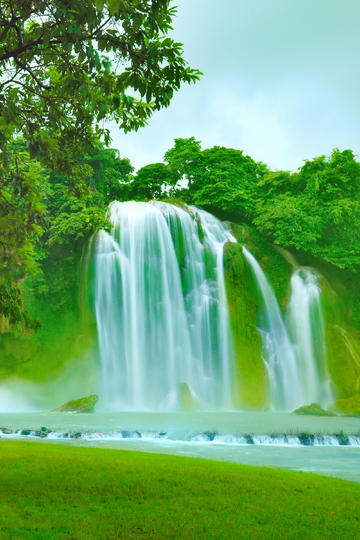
56	491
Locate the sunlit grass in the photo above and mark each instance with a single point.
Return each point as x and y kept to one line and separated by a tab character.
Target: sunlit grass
50	491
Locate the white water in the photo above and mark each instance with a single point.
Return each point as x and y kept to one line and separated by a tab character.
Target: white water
306	329
279	355
294	353
161	308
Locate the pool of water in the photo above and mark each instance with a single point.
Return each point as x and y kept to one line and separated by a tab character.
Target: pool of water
305	443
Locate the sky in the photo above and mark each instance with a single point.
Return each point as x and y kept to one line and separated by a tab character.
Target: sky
281	81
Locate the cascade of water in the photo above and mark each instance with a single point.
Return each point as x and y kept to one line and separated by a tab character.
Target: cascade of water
294	353
161	308
279	356
306	328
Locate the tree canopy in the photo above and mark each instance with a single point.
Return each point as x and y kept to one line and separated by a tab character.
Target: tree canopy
314	210
66	68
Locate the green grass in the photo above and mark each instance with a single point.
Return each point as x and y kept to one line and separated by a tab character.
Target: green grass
60	492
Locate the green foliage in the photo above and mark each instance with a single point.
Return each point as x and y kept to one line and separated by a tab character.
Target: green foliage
21	211
315	209
21	226
183	158
78	219
220	179
110	173
225	182
151	182
312	211
65	69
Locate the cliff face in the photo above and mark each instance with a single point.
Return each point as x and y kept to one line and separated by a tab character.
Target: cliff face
340	300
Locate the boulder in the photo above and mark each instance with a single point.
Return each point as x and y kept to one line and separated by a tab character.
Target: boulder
313	410
82	405
186	399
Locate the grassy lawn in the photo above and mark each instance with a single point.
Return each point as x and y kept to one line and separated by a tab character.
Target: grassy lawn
50	491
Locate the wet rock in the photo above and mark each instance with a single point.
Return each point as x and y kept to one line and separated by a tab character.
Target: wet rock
307	439
210	435
342	438
82	405
313	410
249	439
7	431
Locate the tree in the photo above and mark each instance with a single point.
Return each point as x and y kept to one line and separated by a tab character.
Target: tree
151	182
21	224
316	209
110	173
183	158
68	66
223	180
65	68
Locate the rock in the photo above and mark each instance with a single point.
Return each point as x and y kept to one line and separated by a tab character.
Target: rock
343	438
306	439
210	435
314	410
7	431
249	439
186	399
82	405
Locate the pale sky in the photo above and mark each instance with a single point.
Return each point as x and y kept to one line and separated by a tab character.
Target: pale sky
281	81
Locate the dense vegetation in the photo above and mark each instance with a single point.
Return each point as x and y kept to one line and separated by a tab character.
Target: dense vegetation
54	491
61	79
314	210
66	67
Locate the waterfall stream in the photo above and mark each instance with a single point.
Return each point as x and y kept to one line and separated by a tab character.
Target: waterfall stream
161	311
162	316
294	350
306	329
279	354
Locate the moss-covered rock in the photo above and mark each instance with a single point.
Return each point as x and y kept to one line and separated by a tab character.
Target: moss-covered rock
313	410
340	300
276	266
82	405
251	387
348	406
342	339
186	399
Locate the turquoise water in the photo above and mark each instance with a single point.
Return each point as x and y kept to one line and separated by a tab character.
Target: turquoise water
211	435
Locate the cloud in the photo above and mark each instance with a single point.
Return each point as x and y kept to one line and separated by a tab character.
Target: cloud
281	81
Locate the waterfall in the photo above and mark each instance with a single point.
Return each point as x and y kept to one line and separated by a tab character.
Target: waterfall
161	308
306	328
294	353
279	356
